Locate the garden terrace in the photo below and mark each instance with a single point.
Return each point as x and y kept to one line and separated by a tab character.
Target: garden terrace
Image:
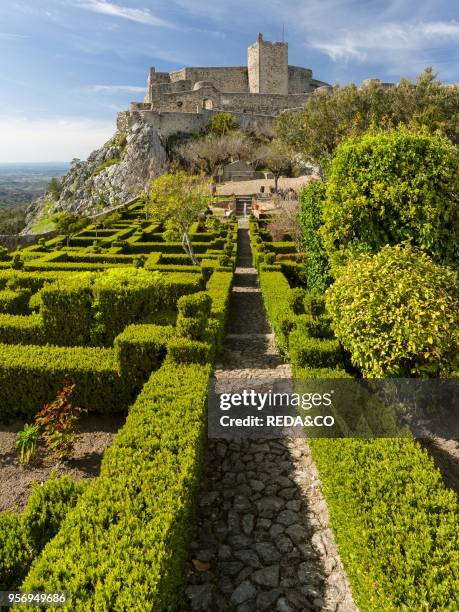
109	315
379	492
128	319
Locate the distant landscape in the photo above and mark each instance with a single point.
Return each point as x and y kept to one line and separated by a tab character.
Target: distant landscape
20	184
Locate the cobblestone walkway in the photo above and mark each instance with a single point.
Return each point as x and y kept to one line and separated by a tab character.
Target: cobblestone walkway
263	540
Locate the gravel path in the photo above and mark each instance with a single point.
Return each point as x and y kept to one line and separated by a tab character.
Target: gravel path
263	540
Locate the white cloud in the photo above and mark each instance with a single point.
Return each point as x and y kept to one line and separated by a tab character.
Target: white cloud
114	89
51	139
140	15
390	38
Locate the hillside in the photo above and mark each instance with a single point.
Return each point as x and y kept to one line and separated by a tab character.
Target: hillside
111	175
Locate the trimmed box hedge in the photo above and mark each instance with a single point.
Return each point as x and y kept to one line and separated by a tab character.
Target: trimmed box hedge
124	545
276	291
14	302
23	536
395	523
306	351
20	329
140	349
32	375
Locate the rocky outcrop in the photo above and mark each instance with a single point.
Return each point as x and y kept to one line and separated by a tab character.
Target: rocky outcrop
121	169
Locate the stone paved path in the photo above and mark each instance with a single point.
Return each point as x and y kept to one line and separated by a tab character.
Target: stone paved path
263	540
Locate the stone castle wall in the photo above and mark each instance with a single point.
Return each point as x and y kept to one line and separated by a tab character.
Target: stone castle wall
207	97
167	124
183	100
299	80
227	78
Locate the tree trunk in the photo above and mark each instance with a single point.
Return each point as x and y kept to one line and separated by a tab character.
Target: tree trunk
276	182
188	248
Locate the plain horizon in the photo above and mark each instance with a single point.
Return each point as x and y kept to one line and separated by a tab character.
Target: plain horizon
68	66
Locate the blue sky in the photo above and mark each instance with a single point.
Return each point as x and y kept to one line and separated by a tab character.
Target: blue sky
67	66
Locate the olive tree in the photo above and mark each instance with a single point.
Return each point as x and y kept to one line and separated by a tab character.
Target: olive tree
331	115
69	224
222	124
210	153
277	158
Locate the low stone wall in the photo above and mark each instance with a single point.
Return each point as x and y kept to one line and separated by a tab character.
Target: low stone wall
12	242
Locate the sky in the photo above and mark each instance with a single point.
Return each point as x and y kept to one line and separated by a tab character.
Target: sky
68	66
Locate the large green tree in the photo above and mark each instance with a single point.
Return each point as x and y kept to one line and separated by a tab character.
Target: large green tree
391	187
332	115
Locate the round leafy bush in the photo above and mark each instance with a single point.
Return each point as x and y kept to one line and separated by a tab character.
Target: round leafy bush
397	313
385	188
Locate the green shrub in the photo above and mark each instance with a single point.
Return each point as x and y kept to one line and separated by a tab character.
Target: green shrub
316	266
18	262
140	349
394	521
296	300
319	373
177	284
16	551
18	329
195	305
66	309
275	291
152	260
41	370
280	248
48	506
397	313
14	302
314	304
219	288
125	543
23	536
310	352
123	296
316	327
390	187
191	327
183	350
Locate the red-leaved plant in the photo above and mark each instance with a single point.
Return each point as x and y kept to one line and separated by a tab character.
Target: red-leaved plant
58	423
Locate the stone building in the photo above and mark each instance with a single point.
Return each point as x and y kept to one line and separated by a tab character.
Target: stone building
185	99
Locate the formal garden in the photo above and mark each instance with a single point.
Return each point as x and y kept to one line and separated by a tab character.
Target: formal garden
128	317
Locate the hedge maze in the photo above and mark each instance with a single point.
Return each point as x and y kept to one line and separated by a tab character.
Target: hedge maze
126	317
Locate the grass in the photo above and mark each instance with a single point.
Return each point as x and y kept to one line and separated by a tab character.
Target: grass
108	163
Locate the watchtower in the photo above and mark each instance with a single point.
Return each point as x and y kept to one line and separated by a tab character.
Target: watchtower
268	67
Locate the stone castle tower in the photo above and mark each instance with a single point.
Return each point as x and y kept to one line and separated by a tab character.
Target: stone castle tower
185	99
268	67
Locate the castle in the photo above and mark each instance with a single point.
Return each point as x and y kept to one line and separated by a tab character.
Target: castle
184	100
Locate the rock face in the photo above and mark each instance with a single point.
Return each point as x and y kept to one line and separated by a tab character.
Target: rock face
121	169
